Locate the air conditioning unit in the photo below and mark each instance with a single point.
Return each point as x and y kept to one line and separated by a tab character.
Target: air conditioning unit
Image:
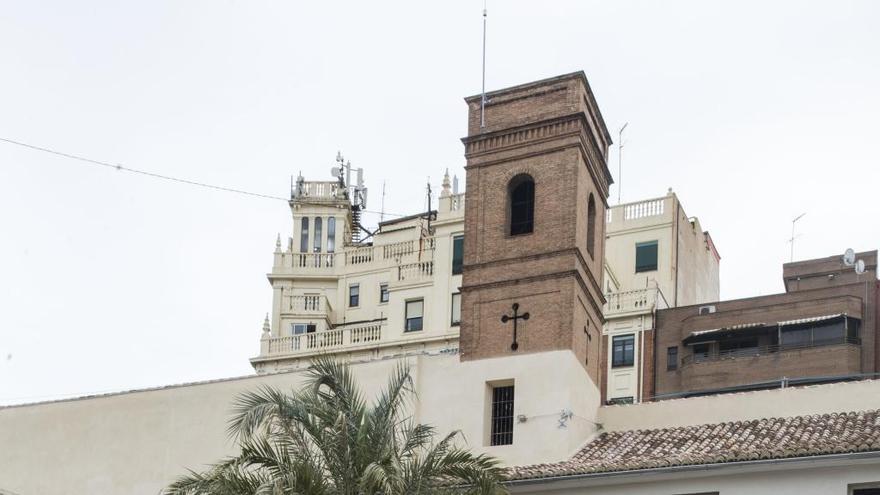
705	310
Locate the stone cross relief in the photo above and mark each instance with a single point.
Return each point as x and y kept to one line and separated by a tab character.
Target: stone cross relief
505	318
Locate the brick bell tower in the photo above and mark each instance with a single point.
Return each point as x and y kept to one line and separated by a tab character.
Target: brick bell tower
537	185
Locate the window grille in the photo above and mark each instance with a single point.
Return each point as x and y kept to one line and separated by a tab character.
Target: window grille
502	415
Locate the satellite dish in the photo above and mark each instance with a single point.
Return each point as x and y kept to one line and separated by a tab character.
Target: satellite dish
849	257
860	267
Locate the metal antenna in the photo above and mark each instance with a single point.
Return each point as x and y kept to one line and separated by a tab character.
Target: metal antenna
619	160
793	237
483	97
382	213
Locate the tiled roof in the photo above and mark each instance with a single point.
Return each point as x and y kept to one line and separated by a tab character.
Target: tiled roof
775	438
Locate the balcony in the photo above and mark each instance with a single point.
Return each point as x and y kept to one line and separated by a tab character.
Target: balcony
306	305
415	272
352	338
620	304
771	362
401	253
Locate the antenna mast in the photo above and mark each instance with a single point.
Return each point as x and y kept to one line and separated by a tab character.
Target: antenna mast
483	97
382	213
619	160
793	237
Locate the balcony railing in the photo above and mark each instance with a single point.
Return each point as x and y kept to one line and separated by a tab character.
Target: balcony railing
415	250
328	340
318	190
633	301
764	350
313	260
311	304
644	209
415	271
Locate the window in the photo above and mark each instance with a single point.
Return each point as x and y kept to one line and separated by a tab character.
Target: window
866	490
331	234
456	309
646	256
521	192
304	235
383	293
623	350
318	232
457	254
671	358
701	352
591	225
354	295
619	400
414	311
298	329
502	416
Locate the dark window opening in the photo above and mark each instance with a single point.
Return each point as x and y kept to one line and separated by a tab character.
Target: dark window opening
331	234
646	256
457	254
591	225
354	295
456	309
522	204
318	233
623	350
414	315
383	293
304	235
701	352
671	358
619	400
502	416
738	344
866	491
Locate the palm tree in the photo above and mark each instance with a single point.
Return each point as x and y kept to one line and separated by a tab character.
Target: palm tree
327	440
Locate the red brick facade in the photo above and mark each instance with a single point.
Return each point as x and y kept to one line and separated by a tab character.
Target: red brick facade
551	130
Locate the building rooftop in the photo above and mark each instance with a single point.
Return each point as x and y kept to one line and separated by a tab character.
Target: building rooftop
739	441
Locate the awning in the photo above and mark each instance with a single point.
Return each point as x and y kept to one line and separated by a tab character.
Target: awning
811	319
712	334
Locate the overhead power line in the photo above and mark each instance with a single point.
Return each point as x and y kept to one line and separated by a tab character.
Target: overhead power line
154	175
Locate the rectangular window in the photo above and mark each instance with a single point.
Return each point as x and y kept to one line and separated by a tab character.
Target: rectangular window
414	312
866	490
354	295
646	256
383	293
671	358
502	416
457	254
298	328
456	309
623	350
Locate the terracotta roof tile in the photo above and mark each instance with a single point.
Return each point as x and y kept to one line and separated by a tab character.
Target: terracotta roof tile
773	438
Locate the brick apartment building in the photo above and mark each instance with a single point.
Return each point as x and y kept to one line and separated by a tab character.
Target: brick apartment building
822	328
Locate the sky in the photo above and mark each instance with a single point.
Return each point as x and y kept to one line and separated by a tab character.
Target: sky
753	112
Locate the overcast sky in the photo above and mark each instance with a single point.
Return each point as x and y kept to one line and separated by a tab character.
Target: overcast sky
753	112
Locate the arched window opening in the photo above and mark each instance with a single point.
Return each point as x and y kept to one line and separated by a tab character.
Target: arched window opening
591	225
331	234
521	192
304	235
318	233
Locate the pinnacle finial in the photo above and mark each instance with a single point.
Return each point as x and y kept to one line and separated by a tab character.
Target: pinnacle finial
278	243
447	185
266	327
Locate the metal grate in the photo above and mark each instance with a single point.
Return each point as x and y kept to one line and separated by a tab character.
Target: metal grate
502	415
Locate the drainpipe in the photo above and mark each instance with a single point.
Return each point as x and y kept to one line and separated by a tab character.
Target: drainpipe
676	237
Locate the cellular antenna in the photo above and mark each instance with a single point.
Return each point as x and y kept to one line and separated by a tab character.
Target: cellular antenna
382	213
793	237
619	160
483	97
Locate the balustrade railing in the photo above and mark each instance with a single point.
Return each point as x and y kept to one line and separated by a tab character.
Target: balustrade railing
415	271
339	338
633	301
643	209
307	304
313	260
359	255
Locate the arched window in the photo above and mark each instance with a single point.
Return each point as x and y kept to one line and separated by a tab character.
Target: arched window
304	235
331	234
591	225
318	234
521	194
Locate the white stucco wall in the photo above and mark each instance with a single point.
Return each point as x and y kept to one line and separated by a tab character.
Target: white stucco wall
137	442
